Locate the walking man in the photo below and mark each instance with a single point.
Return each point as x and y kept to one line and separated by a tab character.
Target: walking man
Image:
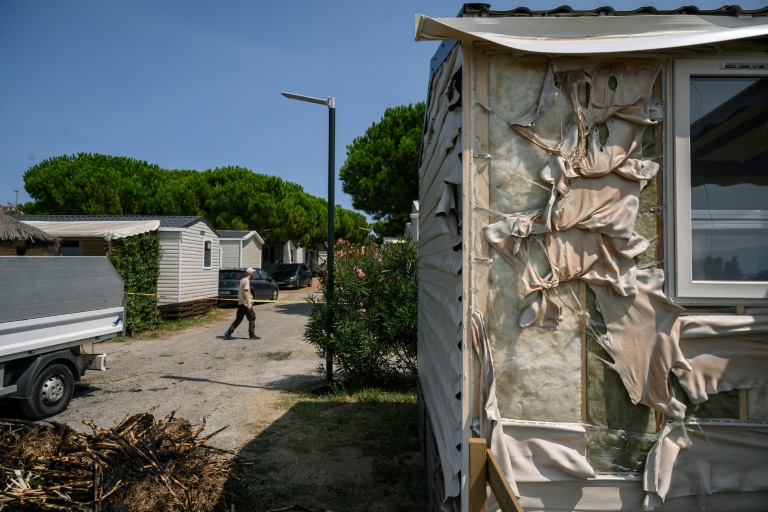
244	308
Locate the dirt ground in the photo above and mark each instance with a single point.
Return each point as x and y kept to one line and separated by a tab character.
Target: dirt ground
242	385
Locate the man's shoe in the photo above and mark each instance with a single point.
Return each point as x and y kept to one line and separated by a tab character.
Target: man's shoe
227	336
254	337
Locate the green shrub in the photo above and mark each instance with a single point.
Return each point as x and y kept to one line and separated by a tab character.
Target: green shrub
137	260
373	335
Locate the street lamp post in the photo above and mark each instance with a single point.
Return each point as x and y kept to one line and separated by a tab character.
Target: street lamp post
331	104
370	233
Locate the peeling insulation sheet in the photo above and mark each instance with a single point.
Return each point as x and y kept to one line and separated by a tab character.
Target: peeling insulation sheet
707	457
440	291
725	352
566	182
538	373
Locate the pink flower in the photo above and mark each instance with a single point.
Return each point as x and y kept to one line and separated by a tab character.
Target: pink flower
362	310
360	273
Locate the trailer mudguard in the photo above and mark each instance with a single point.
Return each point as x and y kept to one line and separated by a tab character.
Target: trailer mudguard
34	366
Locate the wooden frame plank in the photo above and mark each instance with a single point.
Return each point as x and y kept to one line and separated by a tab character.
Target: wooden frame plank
477	475
500	487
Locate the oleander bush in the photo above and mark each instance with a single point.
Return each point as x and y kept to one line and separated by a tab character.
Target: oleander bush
373	335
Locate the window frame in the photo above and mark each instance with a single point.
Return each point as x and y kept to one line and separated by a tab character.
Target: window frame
679	246
208	242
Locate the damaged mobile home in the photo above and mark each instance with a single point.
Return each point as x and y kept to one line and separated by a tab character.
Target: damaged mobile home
594	256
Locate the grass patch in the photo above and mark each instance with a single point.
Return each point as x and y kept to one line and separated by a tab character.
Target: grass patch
349	450
167	327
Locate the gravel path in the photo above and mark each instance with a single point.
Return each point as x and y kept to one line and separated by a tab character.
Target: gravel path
236	383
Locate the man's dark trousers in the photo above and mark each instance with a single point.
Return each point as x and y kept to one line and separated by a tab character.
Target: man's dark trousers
242	310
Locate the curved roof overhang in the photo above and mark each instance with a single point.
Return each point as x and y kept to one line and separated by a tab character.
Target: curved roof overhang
593	34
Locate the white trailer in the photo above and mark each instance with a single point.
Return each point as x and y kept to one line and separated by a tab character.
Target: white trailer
49	309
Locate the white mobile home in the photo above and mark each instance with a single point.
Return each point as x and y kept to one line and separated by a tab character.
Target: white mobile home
240	249
594	256
287	252
189	248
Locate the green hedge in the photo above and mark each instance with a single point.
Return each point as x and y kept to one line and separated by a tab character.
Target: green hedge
137	260
373	338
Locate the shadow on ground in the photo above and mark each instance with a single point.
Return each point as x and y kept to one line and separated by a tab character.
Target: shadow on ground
287	308
335	456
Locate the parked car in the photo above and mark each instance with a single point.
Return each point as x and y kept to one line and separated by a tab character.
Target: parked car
292	275
262	286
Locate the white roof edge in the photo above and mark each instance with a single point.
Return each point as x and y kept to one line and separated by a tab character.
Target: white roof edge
108	230
246	236
592	34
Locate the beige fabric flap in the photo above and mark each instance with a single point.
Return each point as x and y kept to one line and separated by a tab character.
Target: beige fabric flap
547	452
708	457
725	352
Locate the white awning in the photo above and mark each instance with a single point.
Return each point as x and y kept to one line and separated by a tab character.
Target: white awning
108	230
592	34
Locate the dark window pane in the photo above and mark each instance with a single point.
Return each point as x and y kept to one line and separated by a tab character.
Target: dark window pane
729	181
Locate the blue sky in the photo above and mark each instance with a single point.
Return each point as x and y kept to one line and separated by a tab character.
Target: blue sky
196	84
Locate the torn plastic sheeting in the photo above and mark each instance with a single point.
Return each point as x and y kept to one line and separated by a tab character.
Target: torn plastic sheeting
613	451
574	253
720	456
450	261
437	169
491	420
449	142
643	342
620	95
725	352
607	205
447	383
547	452
700	326
446	439
447	301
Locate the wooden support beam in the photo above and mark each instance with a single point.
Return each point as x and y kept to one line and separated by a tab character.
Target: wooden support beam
477	475
500	487
483	469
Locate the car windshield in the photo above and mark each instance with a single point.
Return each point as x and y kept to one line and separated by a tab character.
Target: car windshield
287	267
231	274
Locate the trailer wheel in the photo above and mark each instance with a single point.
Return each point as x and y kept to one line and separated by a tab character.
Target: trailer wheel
51	392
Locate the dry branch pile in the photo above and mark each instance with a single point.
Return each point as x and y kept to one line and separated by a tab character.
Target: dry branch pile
141	464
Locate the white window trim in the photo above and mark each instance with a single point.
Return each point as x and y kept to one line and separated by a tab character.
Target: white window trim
682	288
206	241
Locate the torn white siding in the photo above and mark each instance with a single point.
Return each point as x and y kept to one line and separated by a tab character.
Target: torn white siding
595	377
440	290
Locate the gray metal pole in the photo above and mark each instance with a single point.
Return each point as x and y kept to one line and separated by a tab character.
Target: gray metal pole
331	104
331	224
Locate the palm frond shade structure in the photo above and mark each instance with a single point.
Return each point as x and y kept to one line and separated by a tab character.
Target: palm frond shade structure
21	236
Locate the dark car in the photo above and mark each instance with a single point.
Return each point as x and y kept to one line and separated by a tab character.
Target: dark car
262	286
292	275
